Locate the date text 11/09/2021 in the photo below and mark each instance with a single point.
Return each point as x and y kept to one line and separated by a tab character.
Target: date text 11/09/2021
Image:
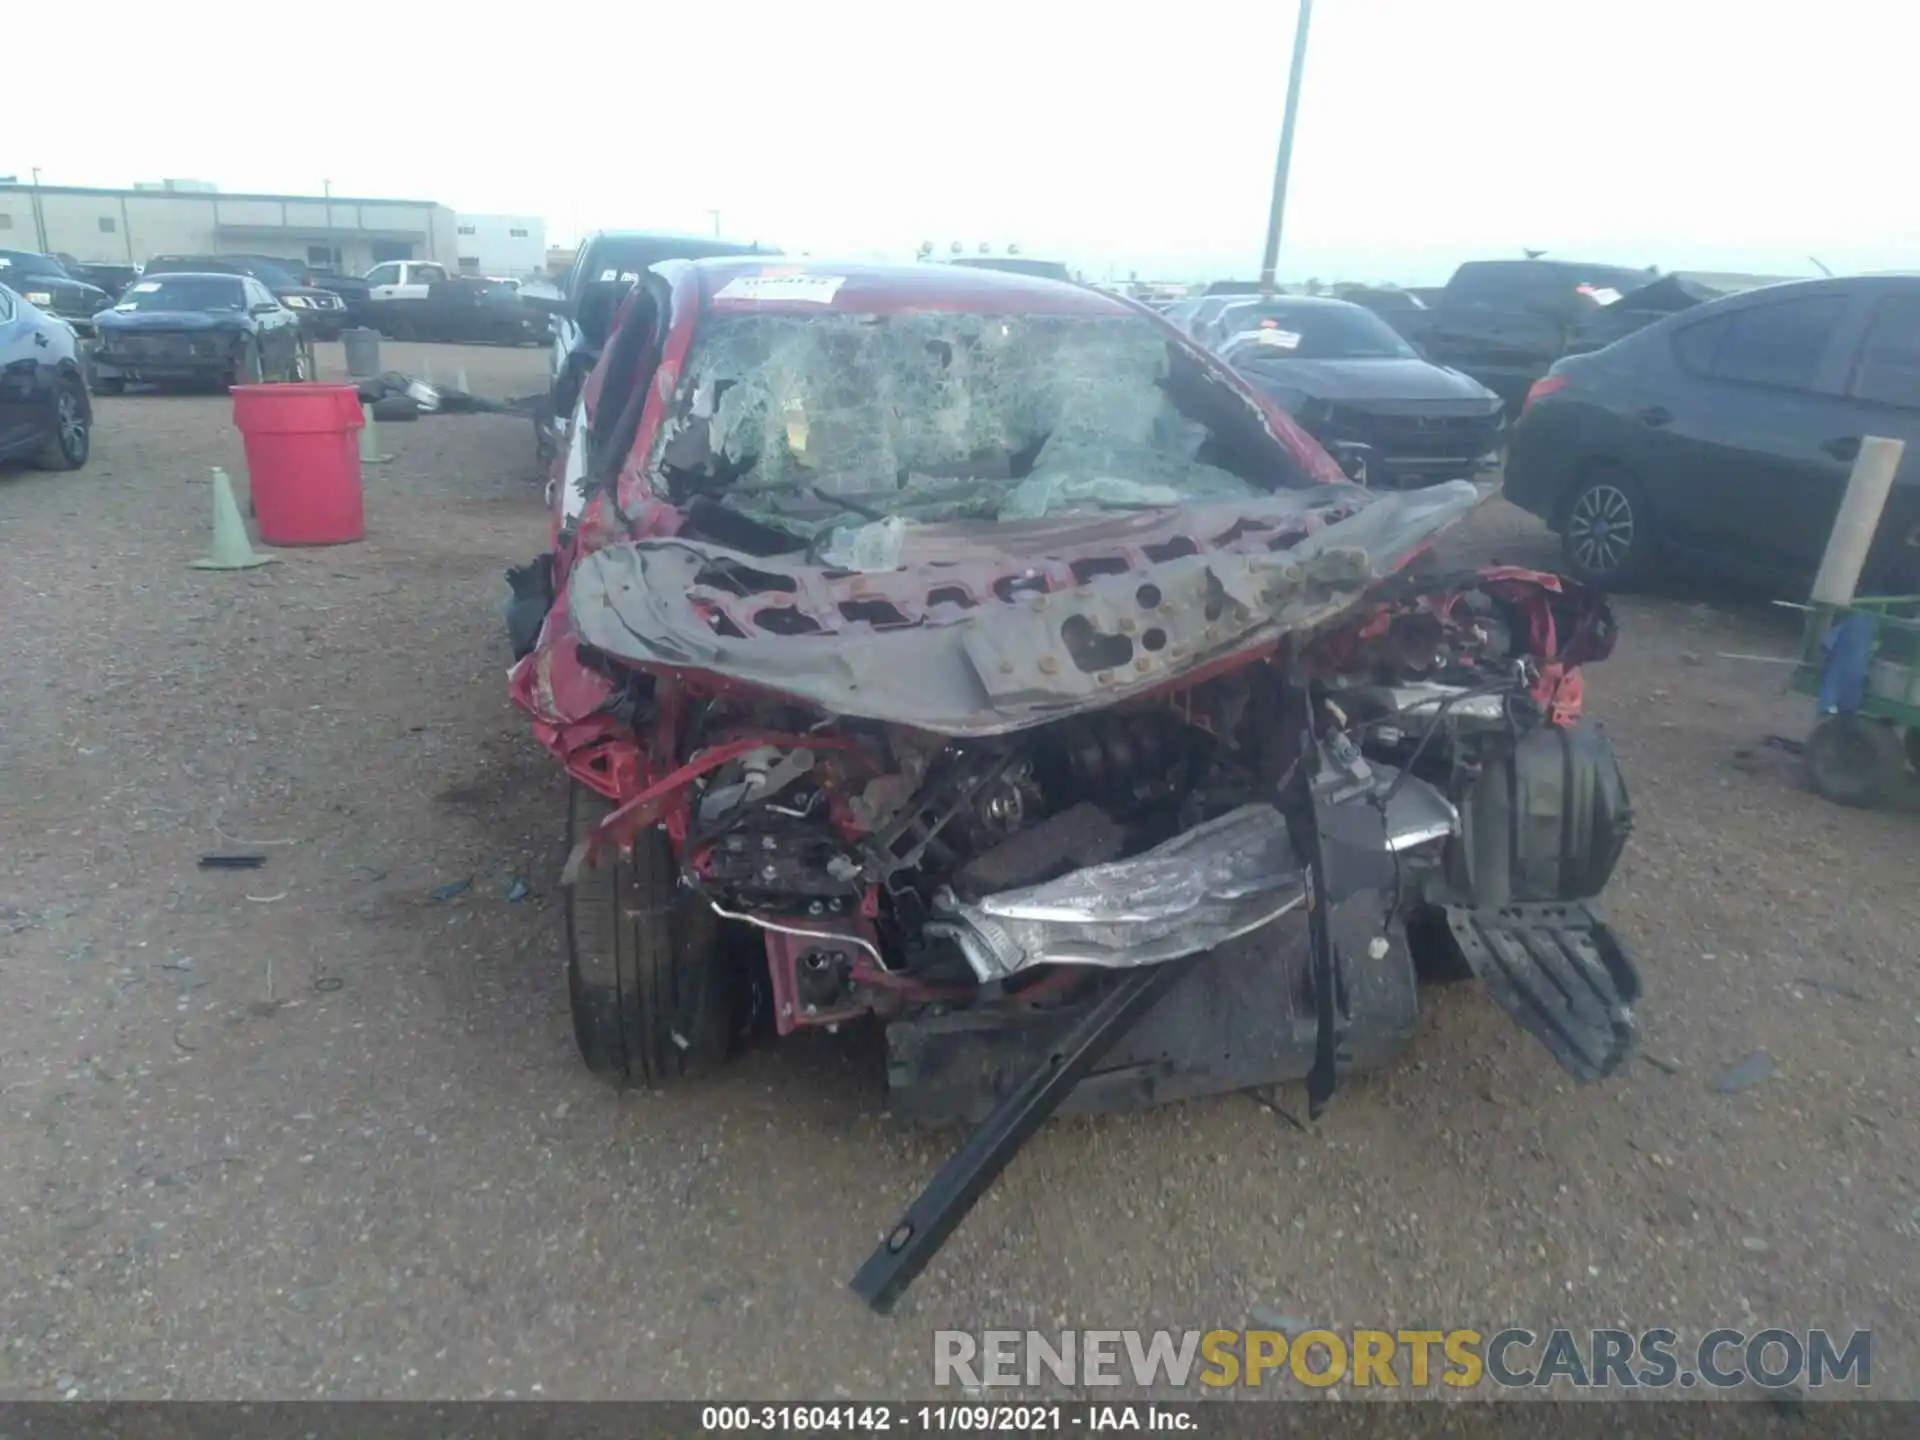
958	1418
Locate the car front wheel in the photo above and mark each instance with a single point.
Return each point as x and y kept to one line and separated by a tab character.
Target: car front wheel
72	438
1857	761
650	996
1606	533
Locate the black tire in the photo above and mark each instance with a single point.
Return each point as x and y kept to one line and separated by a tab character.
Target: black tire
645	977
1856	761
395	407
1607	534
71	442
1437	956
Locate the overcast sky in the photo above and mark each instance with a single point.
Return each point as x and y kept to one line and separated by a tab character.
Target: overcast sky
1701	134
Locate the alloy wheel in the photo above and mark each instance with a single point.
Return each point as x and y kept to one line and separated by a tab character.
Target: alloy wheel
73	427
1600	528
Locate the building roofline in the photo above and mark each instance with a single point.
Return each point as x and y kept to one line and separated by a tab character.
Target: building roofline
29	186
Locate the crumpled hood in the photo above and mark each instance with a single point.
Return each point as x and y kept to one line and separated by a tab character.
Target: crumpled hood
1360	381
174	320
993	628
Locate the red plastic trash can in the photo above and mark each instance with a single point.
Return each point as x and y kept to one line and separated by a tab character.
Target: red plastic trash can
303	458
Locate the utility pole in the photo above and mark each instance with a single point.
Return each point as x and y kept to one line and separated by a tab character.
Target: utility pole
1271	258
716	222
39	213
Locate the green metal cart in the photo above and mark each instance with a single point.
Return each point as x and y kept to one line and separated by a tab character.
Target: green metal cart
1867	754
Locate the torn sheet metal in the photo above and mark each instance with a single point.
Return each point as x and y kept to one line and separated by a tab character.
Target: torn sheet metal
991	637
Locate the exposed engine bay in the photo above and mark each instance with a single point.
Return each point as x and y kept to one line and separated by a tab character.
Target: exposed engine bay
896	872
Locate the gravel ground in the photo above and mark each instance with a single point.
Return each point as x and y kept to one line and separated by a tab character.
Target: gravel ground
311	1130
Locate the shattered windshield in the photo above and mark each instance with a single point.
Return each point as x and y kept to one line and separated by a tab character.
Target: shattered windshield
843	428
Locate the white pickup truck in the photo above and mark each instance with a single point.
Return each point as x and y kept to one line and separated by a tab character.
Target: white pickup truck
398	292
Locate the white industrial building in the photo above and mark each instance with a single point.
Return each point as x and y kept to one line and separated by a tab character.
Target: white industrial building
129	227
510	246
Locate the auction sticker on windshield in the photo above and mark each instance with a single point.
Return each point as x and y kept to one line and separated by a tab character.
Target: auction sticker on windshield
806	289
1282	339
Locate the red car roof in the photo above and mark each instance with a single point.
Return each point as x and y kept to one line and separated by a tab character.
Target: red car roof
809	286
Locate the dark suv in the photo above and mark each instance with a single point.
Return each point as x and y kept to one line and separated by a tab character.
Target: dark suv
323	314
44	283
1505	321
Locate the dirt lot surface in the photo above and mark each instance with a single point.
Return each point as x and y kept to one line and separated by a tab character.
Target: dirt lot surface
319	1128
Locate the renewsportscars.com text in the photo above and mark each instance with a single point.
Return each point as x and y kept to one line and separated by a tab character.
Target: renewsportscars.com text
1513	1358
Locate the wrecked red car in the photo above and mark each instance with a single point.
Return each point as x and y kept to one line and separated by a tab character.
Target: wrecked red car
972	654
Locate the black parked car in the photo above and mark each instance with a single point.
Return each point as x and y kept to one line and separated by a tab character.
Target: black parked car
1505	321
1342	372
322	313
1668	295
1726	433
114	279
489	312
204	329
45	415
352	290
43	282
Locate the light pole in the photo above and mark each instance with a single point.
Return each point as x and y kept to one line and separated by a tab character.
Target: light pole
716	222
39	213
1271	258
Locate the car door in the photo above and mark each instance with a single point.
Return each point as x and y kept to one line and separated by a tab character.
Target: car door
21	345
1883	392
1739	448
383	281
417	279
